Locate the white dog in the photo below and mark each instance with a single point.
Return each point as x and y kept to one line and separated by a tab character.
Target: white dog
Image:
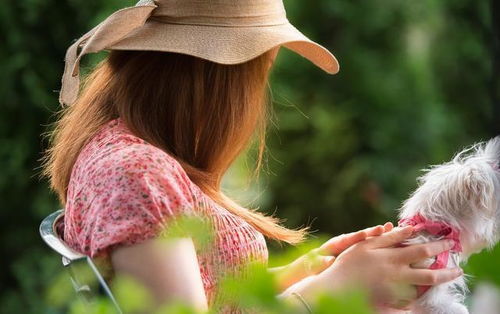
458	200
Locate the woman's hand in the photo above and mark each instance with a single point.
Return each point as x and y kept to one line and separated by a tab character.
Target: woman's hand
319	259
382	268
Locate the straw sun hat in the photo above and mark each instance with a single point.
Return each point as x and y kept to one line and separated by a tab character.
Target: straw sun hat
222	31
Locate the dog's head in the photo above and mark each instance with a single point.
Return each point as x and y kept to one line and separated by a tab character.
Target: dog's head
464	192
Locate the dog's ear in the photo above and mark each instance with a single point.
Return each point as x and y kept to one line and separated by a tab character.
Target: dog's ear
492	152
481	174
477	188
483	189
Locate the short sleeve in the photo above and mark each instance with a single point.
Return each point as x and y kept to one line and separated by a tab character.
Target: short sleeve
138	192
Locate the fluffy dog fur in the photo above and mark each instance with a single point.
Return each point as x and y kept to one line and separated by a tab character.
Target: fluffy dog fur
464	193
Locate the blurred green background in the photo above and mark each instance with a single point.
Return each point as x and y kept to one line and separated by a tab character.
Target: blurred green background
419	80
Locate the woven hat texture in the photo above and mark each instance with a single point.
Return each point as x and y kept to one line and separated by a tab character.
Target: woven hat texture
222	31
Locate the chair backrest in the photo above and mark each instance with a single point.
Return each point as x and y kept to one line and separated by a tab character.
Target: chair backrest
84	274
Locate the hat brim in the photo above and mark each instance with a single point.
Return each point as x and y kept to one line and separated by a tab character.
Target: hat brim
226	45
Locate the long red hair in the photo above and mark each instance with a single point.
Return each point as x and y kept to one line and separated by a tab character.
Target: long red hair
202	113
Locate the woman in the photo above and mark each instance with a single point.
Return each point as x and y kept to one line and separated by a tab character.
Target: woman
154	129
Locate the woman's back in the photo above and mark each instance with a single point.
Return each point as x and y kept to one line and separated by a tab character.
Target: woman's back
123	191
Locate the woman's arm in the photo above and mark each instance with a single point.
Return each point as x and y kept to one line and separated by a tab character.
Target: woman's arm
319	259
168	268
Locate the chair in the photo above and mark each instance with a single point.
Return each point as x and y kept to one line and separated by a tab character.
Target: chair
88	288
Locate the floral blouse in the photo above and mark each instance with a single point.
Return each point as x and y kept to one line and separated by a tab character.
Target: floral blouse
123	190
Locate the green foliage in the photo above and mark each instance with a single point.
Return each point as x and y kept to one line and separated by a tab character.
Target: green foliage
257	291
346	302
59	289
253	293
484	266
194	227
413	89
131	296
291	253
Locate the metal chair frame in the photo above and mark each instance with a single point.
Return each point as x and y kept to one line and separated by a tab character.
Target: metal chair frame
70	258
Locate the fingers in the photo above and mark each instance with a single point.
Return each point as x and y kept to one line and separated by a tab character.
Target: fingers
378	230
418	252
338	244
326	261
431	277
388	226
374	231
391	238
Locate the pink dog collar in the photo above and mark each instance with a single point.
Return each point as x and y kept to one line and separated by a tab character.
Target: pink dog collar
437	228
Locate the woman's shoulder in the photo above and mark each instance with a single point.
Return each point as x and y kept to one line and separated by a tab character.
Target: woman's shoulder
115	155
122	191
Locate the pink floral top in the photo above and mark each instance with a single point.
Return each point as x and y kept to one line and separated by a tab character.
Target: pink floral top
124	190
